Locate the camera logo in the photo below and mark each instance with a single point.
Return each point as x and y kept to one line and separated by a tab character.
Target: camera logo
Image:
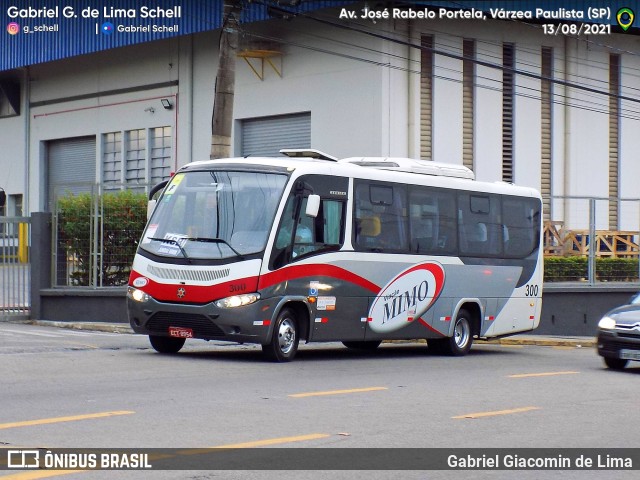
23	459
13	28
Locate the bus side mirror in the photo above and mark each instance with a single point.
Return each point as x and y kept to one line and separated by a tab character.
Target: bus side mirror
3	197
151	205
313	206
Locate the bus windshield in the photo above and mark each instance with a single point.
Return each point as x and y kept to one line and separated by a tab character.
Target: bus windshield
214	214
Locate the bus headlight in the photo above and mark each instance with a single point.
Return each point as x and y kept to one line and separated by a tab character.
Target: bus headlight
137	295
238	300
607	323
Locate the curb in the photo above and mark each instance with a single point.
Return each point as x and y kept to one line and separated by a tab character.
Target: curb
544	341
89	326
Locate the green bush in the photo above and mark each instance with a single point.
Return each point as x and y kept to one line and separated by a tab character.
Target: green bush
567	269
119	230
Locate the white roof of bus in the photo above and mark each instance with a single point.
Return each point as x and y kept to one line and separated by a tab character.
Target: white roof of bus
356	167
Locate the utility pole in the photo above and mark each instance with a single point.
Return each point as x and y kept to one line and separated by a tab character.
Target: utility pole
222	119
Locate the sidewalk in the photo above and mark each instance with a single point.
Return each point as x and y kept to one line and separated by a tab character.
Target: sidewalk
524	339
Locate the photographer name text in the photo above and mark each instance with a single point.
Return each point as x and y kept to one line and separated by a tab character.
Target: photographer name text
91	12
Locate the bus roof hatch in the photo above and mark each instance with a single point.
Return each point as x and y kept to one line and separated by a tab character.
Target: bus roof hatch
424	167
307	153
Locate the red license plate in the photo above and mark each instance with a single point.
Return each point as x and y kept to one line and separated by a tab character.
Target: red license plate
180	332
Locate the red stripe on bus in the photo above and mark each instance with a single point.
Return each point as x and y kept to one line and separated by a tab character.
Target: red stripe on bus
315	270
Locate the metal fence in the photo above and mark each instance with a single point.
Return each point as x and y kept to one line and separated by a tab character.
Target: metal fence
15	295
597	242
96	230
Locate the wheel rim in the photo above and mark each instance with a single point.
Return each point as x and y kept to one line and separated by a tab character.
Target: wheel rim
461	333
286	335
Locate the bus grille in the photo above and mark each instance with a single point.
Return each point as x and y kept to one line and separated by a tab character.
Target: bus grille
188	274
201	325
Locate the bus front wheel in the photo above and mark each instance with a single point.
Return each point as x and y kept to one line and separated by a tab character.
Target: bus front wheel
284	339
166	344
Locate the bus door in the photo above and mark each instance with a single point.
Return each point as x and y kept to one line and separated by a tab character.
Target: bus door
307	254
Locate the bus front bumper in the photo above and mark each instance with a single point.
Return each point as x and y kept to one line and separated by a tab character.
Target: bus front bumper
248	323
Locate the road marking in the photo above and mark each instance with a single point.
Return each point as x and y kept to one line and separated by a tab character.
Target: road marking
337	392
35	334
44	421
543	374
39	474
256	443
496	413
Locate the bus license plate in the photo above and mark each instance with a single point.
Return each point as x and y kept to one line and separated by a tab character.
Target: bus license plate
630	354
180	332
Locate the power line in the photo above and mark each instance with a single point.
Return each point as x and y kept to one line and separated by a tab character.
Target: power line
559	99
455	56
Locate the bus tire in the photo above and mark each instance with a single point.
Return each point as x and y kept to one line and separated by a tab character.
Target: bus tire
284	339
368	346
460	342
615	363
166	344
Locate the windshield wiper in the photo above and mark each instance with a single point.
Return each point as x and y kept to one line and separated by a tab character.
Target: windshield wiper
173	242
215	240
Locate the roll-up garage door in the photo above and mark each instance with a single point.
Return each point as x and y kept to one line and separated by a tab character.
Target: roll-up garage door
266	136
71	166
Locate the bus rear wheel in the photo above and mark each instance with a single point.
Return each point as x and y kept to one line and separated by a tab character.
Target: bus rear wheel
284	339
166	344
460	342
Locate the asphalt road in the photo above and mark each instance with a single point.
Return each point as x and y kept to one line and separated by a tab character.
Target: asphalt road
77	389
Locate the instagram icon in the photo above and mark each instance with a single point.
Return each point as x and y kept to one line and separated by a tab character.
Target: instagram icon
13	28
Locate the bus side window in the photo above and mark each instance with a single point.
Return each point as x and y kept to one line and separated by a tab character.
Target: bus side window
312	235
519	220
432	221
480	231
381	217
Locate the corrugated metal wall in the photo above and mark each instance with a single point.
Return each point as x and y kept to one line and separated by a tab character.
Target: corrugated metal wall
266	136
78	36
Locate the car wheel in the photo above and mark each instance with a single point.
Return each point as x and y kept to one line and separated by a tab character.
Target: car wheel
284	340
166	344
615	363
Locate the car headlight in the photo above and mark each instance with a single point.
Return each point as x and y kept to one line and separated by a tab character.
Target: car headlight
607	323
238	300
137	295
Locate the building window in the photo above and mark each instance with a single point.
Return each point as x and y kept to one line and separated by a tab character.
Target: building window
160	154
508	64
426	97
148	157
546	130
468	76
15	201
136	151
614	138
112	159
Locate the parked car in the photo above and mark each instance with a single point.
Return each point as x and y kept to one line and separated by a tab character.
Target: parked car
619	334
